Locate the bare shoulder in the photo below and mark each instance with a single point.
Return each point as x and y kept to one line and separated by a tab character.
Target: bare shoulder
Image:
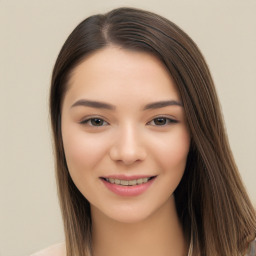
54	250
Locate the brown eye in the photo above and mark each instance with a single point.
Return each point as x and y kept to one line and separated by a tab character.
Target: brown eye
97	122
162	121
94	122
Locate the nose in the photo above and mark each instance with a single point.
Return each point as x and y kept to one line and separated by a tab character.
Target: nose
127	147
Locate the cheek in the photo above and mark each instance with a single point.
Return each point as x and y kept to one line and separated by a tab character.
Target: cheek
83	152
172	158
171	151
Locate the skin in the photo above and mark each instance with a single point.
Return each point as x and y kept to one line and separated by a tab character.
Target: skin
130	138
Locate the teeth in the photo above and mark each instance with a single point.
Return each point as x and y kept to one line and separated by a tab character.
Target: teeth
145	180
127	182
112	180
139	181
124	182
132	182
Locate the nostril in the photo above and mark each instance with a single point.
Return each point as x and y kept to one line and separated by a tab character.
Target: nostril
127	147
126	155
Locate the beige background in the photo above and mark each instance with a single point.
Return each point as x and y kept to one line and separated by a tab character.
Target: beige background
32	33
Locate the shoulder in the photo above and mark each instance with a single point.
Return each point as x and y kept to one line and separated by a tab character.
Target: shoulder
54	250
252	249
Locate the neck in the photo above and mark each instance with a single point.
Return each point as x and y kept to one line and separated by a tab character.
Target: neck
160	234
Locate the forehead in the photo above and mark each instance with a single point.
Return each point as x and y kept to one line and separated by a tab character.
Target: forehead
124	72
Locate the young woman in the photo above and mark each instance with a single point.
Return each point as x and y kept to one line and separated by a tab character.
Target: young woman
142	159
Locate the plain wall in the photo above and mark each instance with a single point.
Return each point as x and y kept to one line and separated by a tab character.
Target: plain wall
32	33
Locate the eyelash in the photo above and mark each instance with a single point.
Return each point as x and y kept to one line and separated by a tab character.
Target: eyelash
167	121
89	122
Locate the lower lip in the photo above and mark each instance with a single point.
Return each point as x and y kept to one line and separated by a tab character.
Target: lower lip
128	190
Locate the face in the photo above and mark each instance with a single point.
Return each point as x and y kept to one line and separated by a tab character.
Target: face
124	133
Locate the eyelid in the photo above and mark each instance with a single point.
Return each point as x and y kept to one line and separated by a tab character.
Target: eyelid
171	120
87	119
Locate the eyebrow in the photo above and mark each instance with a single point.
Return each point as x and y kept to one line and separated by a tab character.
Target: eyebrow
98	104
162	104
93	104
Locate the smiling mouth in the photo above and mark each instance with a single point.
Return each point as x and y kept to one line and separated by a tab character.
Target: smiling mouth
134	182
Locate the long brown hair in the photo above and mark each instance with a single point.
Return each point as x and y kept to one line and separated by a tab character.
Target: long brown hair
211	201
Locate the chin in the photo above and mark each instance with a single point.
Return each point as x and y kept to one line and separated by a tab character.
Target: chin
123	213
128	218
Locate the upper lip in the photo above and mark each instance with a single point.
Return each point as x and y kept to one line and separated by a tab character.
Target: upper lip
126	177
